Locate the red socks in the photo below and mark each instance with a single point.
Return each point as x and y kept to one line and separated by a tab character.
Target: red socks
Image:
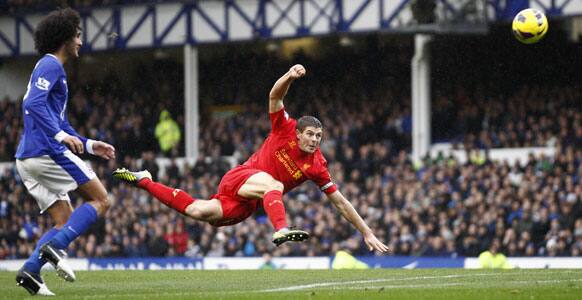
273	205
174	198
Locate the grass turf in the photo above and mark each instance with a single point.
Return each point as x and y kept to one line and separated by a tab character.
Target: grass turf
446	284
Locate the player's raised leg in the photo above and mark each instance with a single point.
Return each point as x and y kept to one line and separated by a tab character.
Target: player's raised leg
80	220
262	185
202	210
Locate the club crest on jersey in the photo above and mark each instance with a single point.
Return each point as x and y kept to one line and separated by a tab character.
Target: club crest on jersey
297	175
42	84
292	144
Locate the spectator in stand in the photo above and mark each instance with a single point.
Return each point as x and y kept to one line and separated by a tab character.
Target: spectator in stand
167	132
493	259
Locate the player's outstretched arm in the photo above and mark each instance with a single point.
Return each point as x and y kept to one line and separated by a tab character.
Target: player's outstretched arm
349	213
280	87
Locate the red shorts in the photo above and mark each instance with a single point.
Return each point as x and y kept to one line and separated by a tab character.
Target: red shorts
235	208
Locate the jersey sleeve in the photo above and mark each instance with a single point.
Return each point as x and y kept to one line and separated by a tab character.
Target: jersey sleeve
35	101
323	178
281	122
71	131
88	143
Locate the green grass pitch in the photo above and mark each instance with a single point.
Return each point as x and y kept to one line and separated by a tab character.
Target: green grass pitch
446	284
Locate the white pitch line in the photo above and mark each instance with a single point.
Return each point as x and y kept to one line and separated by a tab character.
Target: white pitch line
326	284
406	286
429	285
546	281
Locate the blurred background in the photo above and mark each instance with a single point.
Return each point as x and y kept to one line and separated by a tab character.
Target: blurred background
445	133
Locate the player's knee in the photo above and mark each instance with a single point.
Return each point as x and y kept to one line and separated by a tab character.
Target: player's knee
61	218
198	213
275	185
106	203
59	223
102	204
195	214
60	212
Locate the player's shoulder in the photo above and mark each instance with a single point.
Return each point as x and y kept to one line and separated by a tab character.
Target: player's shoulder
49	63
281	113
318	166
283	124
319	159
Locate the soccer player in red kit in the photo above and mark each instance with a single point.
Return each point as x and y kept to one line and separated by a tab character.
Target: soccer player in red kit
289	156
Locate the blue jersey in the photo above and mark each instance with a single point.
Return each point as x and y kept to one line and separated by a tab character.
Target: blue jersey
44	109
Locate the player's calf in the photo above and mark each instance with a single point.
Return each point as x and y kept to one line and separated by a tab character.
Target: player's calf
172	197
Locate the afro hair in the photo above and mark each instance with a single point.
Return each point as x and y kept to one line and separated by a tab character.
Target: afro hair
56	29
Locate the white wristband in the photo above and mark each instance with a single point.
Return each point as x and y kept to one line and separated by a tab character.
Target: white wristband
60	136
89	146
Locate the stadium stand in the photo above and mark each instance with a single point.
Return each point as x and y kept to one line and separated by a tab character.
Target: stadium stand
442	208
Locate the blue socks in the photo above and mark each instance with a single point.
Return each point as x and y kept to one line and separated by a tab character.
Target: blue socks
34	264
80	220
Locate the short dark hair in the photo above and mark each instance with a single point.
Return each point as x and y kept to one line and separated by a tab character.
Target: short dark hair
56	29
308	121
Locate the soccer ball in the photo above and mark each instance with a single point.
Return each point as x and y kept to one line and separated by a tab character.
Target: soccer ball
529	26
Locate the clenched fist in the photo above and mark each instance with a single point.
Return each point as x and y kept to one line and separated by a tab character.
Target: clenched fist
297	71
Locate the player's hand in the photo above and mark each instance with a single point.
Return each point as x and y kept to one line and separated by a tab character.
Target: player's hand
103	150
297	71
374	244
74	144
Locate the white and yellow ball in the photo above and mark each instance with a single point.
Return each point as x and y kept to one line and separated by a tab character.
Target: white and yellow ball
529	26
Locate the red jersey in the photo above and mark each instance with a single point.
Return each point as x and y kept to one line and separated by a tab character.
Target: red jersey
281	157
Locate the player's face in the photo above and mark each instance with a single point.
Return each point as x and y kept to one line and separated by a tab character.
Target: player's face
310	139
74	45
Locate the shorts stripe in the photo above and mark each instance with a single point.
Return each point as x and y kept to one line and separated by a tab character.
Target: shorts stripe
74	166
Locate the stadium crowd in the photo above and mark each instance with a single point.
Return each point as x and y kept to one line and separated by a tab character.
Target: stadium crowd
439	208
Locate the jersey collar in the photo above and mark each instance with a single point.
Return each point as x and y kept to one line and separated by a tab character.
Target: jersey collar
55	57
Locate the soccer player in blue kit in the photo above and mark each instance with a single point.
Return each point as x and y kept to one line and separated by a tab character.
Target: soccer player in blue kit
46	157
